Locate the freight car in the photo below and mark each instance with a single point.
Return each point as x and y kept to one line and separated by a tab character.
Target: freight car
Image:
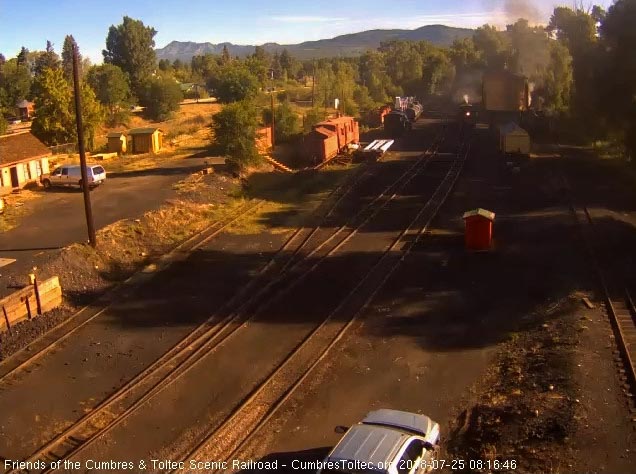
396	123
330	137
505	96
504	91
413	111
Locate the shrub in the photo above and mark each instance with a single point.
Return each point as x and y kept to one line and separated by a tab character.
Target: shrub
235	132
161	97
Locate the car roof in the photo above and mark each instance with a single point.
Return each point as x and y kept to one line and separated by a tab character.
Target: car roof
375	445
88	165
413	422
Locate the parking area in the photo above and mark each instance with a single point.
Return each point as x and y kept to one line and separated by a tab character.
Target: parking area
57	219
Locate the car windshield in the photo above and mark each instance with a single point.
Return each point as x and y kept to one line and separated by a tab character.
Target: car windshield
98	170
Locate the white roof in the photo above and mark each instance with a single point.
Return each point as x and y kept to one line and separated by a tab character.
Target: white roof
375	445
480	212
512	128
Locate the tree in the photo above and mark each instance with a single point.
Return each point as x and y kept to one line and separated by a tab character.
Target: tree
530	51
23	56
161	97
3	124
225	55
131	47
92	114
577	30
235	83
261	54
164	65
48	59
465	56
286	125
492	46
312	117
111	88
258	68
205	68
555	87
54	122
15	83
67	57
373	75
619	70
235	132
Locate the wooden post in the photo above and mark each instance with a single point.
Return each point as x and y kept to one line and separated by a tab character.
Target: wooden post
313	84
36	288
80	143
273	121
6	319
28	307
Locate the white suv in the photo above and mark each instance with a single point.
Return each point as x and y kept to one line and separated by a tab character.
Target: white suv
71	175
385	442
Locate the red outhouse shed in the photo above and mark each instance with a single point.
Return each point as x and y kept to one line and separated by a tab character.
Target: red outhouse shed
478	229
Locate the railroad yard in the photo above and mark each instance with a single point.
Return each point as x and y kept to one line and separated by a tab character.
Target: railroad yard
253	347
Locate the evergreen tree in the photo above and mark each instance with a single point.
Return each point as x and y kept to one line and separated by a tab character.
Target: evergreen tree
131	47
67	58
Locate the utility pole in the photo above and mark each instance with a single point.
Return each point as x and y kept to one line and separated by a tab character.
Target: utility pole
273	119
313	83
80	143
273	113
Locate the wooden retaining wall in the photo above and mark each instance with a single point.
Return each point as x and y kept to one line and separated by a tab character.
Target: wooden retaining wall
23	304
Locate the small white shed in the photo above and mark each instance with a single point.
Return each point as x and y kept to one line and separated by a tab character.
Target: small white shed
514	139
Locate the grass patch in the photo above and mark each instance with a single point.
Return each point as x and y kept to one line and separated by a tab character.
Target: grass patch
289	197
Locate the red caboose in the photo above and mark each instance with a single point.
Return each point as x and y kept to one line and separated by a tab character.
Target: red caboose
321	144
346	128
330	137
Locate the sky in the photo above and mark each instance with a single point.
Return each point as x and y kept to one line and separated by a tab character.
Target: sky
30	23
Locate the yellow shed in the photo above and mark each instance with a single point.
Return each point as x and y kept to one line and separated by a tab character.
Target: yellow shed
514	139
146	140
116	142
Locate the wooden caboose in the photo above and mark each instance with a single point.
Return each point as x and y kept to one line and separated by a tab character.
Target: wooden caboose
330	137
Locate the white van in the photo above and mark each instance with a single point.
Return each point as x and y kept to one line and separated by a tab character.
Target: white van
71	175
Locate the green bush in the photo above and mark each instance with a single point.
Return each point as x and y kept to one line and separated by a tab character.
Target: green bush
287	124
235	83
161	97
312	117
235	132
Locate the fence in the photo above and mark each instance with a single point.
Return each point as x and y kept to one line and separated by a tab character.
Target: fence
29	302
64	149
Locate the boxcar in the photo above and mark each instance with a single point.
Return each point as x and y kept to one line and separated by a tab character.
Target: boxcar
503	91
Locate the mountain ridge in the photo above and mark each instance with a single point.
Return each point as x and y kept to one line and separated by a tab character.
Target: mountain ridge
347	45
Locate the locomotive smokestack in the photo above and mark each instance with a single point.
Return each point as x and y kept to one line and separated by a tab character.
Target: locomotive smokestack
466	98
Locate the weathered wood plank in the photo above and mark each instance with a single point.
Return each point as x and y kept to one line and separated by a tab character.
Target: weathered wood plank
19	304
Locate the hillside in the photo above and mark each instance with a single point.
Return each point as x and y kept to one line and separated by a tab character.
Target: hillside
346	45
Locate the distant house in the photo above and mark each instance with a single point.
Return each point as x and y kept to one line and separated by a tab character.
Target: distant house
24	110
116	142
187	87
23	159
190	90
146	140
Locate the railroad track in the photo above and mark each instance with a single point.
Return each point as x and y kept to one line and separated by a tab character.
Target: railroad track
616	296
49	341
225	441
218	328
